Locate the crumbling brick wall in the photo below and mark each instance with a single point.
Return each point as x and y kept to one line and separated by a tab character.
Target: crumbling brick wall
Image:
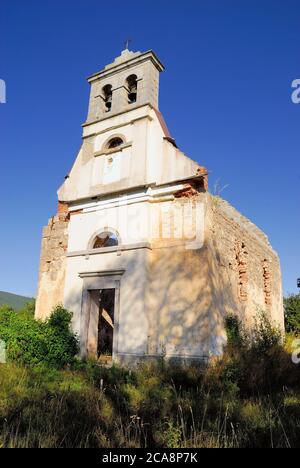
190	291
241	264
247	261
53	262
267	283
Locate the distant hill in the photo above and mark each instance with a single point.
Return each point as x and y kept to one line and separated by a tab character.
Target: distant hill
13	300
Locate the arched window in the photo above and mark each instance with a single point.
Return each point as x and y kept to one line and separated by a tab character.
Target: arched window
105	239
107	96
132	88
114	143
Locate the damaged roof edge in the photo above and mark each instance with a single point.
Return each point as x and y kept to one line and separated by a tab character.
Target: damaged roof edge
199	176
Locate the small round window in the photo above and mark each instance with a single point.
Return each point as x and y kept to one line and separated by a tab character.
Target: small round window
105	239
114	143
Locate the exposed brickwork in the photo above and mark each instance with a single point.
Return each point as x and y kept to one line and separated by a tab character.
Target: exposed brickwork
188	191
203	172
193	188
62	208
75	212
52	263
54	243
241	259
267	282
247	263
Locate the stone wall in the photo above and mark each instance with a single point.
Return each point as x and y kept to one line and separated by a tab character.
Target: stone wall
246	260
53	263
190	292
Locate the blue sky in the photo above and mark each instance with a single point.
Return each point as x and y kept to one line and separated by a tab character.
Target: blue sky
225	94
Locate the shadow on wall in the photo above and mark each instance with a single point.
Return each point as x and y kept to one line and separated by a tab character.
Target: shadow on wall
188	301
174	303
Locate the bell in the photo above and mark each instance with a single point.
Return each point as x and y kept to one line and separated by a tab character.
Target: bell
132	96
108	101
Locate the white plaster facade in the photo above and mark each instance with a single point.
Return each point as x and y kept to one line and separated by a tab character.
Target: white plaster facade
171	289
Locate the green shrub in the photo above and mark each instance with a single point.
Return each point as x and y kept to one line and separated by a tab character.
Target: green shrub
292	313
265	336
29	307
60	319
255	360
32	342
233	327
172	435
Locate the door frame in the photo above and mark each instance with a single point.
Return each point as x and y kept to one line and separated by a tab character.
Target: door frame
95	281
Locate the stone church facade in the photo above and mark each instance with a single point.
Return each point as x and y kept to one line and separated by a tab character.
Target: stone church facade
148	261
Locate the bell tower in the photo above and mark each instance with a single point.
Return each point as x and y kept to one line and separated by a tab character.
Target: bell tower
130	81
126	144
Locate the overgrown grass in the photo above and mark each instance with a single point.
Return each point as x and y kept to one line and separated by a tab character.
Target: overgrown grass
248	398
154	406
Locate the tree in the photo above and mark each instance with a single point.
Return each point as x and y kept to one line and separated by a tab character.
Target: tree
292	313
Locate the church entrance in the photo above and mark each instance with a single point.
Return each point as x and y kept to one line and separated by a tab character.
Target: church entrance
101	323
100	314
106	323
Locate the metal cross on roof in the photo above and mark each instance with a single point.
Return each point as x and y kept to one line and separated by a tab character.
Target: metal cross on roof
126	43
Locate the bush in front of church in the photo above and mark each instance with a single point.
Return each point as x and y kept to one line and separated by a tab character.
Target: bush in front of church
292	313
32	342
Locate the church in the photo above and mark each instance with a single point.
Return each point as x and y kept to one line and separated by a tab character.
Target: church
146	259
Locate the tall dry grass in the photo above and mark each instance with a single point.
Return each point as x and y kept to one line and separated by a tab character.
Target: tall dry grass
248	398
154	406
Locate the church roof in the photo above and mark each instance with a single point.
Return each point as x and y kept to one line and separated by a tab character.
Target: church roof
128	57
